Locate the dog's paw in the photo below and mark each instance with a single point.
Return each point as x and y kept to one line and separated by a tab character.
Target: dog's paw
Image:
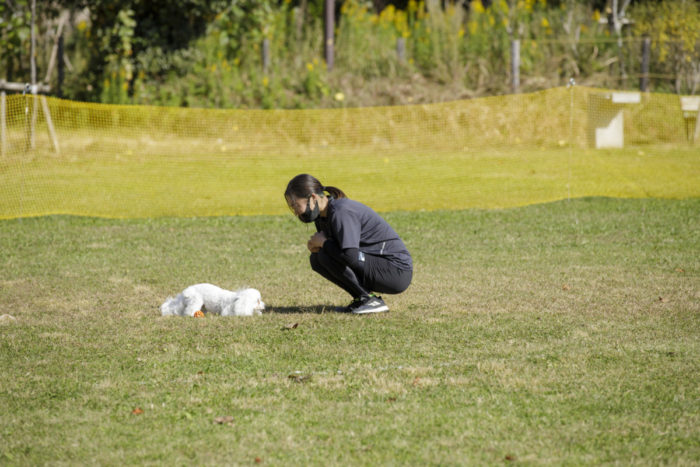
198	314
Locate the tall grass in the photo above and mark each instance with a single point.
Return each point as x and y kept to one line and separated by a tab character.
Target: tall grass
453	50
563	333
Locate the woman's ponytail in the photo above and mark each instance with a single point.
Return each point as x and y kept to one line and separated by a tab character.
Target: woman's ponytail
304	185
334	192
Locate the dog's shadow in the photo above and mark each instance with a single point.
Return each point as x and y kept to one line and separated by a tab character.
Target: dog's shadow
313	309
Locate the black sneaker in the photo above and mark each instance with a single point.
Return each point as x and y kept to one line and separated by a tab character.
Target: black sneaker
356	302
370	304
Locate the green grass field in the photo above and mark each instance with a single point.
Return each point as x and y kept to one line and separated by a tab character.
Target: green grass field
561	333
132	184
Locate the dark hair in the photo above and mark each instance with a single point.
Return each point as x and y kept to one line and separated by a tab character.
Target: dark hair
304	185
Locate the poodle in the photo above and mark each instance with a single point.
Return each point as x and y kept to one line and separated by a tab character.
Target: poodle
200	298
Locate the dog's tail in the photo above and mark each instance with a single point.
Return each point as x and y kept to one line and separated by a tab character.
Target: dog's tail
173	306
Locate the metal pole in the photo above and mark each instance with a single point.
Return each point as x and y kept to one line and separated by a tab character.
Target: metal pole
401	49
32	58
266	54
515	64
644	79
61	72
32	61
3	132
328	32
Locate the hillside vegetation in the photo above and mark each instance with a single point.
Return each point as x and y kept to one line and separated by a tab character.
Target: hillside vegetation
210	54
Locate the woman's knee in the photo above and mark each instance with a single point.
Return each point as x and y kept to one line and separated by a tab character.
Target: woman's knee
315	262
395	282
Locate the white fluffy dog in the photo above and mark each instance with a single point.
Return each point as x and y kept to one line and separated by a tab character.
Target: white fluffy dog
212	299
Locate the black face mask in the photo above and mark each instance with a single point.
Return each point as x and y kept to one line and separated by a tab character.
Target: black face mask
309	216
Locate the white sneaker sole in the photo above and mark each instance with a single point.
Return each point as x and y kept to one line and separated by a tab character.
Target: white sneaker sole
379	309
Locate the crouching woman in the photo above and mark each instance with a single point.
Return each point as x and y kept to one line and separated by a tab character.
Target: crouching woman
353	247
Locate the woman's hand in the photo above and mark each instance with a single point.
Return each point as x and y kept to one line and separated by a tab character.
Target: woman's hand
316	242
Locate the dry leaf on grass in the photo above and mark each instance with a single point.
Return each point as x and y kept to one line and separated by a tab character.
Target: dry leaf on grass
287	327
224	420
137	411
298	378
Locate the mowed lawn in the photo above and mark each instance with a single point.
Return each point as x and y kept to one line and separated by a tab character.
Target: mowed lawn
560	333
127	183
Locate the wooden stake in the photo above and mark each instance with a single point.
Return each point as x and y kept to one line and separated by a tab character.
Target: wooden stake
49	124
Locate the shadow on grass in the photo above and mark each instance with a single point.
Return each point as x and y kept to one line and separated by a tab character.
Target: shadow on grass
316	309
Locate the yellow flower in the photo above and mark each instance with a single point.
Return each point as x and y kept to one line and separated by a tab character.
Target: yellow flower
310	66
387	14
339	96
476	6
596	16
265	81
422	14
545	23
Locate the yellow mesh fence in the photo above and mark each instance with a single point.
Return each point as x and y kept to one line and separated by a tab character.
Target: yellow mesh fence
63	157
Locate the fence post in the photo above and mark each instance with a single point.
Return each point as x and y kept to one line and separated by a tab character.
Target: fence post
61	73
3	133
515	64
401	49
266	54
32	63
328	32
644	79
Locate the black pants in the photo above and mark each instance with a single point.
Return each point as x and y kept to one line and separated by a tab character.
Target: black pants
375	274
